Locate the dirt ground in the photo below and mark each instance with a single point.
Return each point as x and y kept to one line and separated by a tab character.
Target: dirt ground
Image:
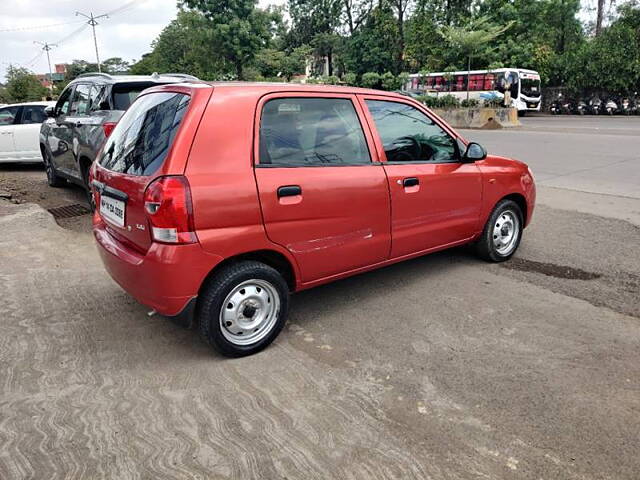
442	367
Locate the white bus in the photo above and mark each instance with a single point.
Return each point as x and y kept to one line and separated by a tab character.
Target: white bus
523	86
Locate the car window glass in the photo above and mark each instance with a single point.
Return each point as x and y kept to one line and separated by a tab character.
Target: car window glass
64	102
408	135
97	97
80	102
141	141
125	94
33	114
8	115
311	131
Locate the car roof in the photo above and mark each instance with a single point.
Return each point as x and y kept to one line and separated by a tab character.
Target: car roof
263	88
23	104
106	78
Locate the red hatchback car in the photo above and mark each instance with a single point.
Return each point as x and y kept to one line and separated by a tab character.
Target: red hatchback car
215	201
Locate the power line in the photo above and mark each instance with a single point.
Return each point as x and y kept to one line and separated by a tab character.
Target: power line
38	27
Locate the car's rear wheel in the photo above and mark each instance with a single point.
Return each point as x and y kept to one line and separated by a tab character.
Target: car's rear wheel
53	179
502	232
243	308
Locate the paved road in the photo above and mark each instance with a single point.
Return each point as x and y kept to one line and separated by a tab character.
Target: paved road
443	367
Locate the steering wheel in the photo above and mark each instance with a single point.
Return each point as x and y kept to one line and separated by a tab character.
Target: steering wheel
406	149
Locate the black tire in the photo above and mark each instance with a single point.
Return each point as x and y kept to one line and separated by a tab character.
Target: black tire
485	245
87	188
214	295
53	179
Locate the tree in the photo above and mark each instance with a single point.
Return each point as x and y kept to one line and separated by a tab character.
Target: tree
183	46
370	49
23	86
471	37
115	65
236	29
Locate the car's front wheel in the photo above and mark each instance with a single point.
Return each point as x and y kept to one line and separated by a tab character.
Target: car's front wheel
243	308
502	233
53	179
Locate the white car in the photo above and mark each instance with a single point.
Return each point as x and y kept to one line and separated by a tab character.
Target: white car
20	131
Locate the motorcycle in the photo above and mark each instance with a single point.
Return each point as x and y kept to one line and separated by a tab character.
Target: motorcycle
594	106
566	107
580	107
625	106
556	106
610	107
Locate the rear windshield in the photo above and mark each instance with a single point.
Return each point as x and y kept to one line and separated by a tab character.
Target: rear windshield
125	94
140	142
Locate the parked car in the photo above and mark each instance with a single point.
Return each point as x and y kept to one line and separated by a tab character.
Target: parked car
84	116
19	131
217	201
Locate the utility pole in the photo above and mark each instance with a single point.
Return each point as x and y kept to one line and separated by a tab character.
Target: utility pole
47	47
92	21
599	17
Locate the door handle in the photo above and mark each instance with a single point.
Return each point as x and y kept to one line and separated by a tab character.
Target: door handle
410	182
289	191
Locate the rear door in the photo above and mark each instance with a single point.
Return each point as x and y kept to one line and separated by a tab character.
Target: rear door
131	158
435	198
27	132
8	117
323	195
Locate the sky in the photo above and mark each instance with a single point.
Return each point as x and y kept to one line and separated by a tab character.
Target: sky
127	33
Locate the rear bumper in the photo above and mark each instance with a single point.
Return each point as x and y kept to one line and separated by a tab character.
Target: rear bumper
166	278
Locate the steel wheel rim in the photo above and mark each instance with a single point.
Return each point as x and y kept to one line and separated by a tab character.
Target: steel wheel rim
249	312
505	233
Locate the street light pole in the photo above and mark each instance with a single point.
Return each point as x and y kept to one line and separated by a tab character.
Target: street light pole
92	21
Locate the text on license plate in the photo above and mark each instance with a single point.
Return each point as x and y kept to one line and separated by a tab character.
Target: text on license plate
112	210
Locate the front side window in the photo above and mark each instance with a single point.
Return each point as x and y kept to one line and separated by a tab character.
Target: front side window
311	131
408	135
142	138
64	102
80	102
33	114
8	115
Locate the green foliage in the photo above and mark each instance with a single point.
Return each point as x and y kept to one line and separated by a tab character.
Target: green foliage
441	101
370	80
370	49
350	79
22	86
236	29
470	103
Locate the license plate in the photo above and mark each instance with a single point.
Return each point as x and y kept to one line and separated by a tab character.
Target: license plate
112	210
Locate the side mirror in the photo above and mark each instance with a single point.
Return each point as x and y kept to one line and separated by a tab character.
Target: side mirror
474	152
50	111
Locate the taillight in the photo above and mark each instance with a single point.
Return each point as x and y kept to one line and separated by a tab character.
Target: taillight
108	128
167	202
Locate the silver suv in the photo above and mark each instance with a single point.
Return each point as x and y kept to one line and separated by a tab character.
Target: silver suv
84	116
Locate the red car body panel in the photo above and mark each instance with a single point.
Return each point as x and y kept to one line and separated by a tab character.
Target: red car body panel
347	219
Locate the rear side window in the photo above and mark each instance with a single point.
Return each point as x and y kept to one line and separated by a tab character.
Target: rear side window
33	114
311	131
142	138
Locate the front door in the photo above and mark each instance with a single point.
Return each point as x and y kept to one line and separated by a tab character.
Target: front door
435	198
60	140
323	195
